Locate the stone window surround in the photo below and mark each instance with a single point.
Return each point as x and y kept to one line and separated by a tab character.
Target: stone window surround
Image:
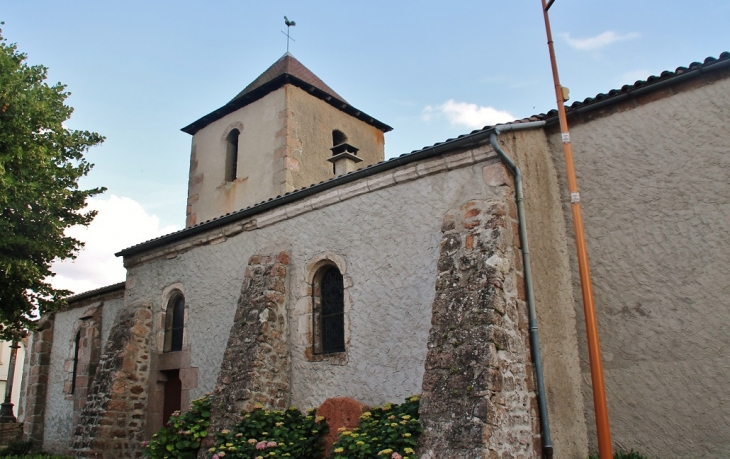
173	330
162	362
236	125
305	307
86	354
168	293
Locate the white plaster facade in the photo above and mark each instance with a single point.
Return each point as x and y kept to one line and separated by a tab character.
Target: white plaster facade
390	296
59	406
655	190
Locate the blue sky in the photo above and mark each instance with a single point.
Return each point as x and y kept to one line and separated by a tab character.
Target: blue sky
138	71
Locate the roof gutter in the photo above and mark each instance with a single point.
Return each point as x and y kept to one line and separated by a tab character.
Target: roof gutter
469	140
547	445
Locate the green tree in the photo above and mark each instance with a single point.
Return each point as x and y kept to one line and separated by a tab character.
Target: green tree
41	163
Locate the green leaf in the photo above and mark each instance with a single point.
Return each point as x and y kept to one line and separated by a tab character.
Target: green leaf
41	163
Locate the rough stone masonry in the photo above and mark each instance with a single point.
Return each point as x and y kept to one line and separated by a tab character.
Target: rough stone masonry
111	424
478	398
255	368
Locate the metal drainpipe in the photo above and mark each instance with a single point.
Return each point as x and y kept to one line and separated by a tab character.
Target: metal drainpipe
547	445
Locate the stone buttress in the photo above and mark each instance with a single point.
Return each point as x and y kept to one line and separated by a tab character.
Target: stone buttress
256	369
478	392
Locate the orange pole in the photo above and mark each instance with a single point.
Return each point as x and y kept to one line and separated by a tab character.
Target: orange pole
603	429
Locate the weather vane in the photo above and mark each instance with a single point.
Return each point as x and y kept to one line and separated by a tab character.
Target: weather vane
288	37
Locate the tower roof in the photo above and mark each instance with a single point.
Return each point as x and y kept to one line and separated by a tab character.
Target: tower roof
288	65
286	70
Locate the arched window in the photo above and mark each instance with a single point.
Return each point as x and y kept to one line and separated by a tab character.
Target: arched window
338	137
77	345
174	324
232	155
328	312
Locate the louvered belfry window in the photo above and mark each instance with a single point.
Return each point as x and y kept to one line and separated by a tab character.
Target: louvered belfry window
174	324
329	311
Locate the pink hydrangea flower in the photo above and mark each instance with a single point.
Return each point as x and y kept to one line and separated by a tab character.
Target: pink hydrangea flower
261	445
396	456
271	444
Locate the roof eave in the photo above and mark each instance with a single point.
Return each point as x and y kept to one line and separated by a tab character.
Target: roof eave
273	85
469	140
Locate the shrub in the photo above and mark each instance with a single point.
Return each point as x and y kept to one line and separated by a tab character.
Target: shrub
264	433
33	456
624	455
17	448
390	431
180	438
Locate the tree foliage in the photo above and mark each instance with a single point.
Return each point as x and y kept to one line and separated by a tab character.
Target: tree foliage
41	163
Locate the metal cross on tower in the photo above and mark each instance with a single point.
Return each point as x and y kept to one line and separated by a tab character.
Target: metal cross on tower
288	37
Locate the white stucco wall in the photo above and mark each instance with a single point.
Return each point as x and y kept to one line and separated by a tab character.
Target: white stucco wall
389	240
655	195
108	315
284	143
552	282
259	123
59	409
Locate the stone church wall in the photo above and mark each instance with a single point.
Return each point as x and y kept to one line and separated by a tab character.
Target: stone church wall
57	420
310	122
209	195
653	174
59	408
478	389
550	252
255	368
388	298
112	421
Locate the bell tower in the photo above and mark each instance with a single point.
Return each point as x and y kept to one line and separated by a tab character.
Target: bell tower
285	131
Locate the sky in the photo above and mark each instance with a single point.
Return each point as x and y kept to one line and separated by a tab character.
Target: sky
138	71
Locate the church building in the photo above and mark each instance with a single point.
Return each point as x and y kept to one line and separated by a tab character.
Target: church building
312	268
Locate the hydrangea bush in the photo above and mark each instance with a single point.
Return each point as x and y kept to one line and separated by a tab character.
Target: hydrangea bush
390	431
272	434
180	438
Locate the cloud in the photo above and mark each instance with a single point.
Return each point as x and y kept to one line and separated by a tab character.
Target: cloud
120	223
633	76
599	41
466	114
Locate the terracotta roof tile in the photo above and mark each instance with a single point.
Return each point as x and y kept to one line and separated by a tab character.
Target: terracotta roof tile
288	65
286	70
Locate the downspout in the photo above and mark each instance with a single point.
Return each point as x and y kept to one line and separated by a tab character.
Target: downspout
547	445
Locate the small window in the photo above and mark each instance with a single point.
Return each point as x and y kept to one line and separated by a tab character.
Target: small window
232	155
174	324
328	311
338	137
77	345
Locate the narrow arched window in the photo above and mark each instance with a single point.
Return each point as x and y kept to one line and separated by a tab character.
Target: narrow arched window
174	324
232	155
328	311
338	137
77	345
